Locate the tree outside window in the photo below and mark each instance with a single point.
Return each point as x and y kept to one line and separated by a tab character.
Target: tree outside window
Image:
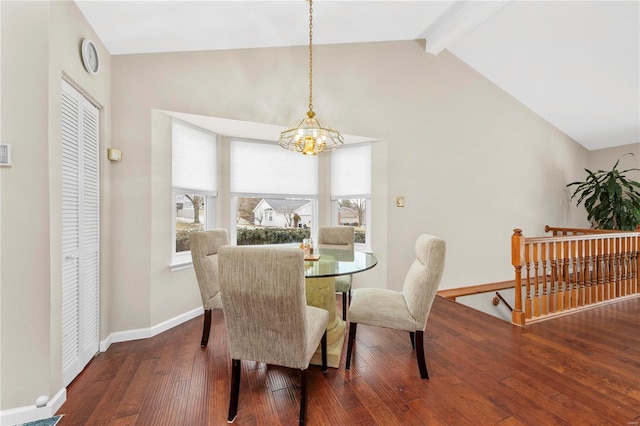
191	214
353	212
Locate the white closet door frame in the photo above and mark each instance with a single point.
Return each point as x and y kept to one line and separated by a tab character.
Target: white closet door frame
80	232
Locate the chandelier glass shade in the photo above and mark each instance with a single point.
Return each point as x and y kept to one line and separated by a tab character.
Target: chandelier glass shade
310	136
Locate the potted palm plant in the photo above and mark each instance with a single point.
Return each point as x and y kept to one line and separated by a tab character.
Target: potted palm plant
611	199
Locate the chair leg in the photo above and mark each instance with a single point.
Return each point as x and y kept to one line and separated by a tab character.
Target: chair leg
352	336
323	350
235	390
303	397
345	301
412	336
206	328
422	364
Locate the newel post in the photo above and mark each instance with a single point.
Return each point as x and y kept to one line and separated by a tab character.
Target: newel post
517	250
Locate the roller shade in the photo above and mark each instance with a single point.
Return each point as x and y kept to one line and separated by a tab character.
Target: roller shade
266	168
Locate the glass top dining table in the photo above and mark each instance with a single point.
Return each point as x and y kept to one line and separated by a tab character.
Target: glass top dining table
320	292
335	262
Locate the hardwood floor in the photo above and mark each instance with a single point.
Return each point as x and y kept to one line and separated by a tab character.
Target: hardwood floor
582	369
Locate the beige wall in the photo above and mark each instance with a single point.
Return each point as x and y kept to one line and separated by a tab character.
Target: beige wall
40	45
471	162
605	159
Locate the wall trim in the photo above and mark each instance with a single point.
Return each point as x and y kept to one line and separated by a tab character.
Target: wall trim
145	333
31	413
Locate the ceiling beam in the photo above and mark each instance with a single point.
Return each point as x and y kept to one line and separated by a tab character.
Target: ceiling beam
460	18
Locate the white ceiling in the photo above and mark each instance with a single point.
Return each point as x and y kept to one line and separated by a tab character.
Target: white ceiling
575	63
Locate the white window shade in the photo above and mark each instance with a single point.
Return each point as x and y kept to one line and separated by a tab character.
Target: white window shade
194	159
351	172
266	168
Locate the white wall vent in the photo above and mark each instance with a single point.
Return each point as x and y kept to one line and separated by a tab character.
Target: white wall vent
5	154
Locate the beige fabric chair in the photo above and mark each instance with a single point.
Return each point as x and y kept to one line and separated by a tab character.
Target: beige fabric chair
406	310
343	238
204	252
266	313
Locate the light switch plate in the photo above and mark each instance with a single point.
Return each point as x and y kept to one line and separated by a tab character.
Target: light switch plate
114	154
399	201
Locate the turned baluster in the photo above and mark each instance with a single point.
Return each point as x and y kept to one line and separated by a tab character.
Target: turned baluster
560	293
553	295
536	281
567	277
611	282
574	283
582	263
589	267
517	316
593	271
545	298
624	290
527	299
605	270
599	275
635	288
618	263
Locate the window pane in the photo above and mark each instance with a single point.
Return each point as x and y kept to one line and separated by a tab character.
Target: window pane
353	212
191	216
273	220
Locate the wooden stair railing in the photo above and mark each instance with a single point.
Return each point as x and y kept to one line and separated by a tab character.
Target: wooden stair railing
576	231
572	271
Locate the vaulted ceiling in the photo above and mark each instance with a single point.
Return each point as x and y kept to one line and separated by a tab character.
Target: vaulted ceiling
575	63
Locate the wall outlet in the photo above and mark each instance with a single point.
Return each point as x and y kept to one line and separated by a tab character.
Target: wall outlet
399	201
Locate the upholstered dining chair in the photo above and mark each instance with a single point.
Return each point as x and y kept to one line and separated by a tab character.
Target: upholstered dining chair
339	237
204	253
266	313
408	309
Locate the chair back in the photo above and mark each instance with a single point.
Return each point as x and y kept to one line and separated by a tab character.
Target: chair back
204	253
263	293
336	237
422	280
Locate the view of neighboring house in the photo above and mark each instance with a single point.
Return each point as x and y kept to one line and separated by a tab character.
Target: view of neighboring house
282	213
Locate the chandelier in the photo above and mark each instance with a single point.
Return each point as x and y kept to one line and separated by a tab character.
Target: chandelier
311	136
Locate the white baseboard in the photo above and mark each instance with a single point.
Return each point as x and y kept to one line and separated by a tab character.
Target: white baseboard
31	413
145	333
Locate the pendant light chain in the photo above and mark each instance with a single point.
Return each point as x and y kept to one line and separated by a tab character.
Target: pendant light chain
310	136
311	57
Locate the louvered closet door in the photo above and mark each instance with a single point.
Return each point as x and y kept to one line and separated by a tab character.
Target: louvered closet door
80	232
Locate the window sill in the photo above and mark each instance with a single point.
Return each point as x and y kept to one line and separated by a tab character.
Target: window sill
180	265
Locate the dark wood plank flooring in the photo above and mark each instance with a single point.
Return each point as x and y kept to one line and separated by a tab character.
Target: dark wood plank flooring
582	369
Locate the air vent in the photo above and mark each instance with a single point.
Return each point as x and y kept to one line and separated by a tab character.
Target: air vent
5	154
